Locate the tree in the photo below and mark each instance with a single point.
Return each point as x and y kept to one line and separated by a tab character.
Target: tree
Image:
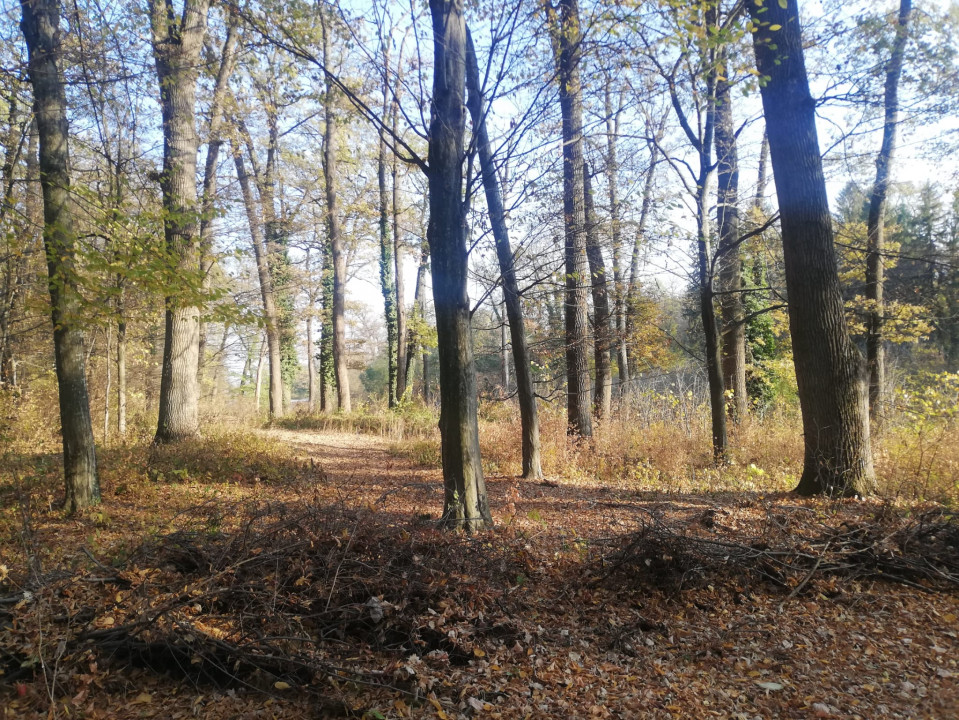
566	38
465	504
732	325
529	416
335	233
875	232
177	43
829	367
41	30
602	338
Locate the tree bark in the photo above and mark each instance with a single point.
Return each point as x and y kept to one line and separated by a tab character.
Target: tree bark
337	246
310	357
525	390
616	231
267	290
602	338
41	28
176	51
567	50
401	320
387	266
733	329
466	505
829	367
875	225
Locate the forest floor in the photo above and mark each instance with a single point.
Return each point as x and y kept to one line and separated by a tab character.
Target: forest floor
292	574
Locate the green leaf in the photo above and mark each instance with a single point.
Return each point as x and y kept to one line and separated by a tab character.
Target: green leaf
783	4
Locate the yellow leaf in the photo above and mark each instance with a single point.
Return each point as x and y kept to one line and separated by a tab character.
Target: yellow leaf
774	28
439	708
478	653
280	685
142	699
402	708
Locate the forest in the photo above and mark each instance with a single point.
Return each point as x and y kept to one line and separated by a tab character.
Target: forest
444	359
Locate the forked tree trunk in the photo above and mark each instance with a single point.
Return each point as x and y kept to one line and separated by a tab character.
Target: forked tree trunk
208	194
602	338
525	390
875	226
829	367
41	28
466	505
176	51
567	50
337	242
267	290
733	329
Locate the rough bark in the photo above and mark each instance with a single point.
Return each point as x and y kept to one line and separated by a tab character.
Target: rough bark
387	266
41	27
733	329
310	355
875	224
337	242
567	50
176	51
267	290
466	504
602	337
327	373
525	390
829	367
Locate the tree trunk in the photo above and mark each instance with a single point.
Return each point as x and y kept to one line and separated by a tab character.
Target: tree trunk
337	243
730	258
525	390
875	226
267	291
121	373
327	374
258	391
567	49
602	338
41	29
632	287
466	505
616	232
176	51
419	312
310	356
387	285
401	330
208	194
829	367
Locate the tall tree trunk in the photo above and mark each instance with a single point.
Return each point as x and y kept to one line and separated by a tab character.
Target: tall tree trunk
176	51
602	338
616	231
466	505
108	382
387	284
258	391
41	29
310	354
121	372
401	321
730	258
327	373
829	367
208	194
267	291
567	50
761	176
419	313
525	390
875	227
337	243
633	287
